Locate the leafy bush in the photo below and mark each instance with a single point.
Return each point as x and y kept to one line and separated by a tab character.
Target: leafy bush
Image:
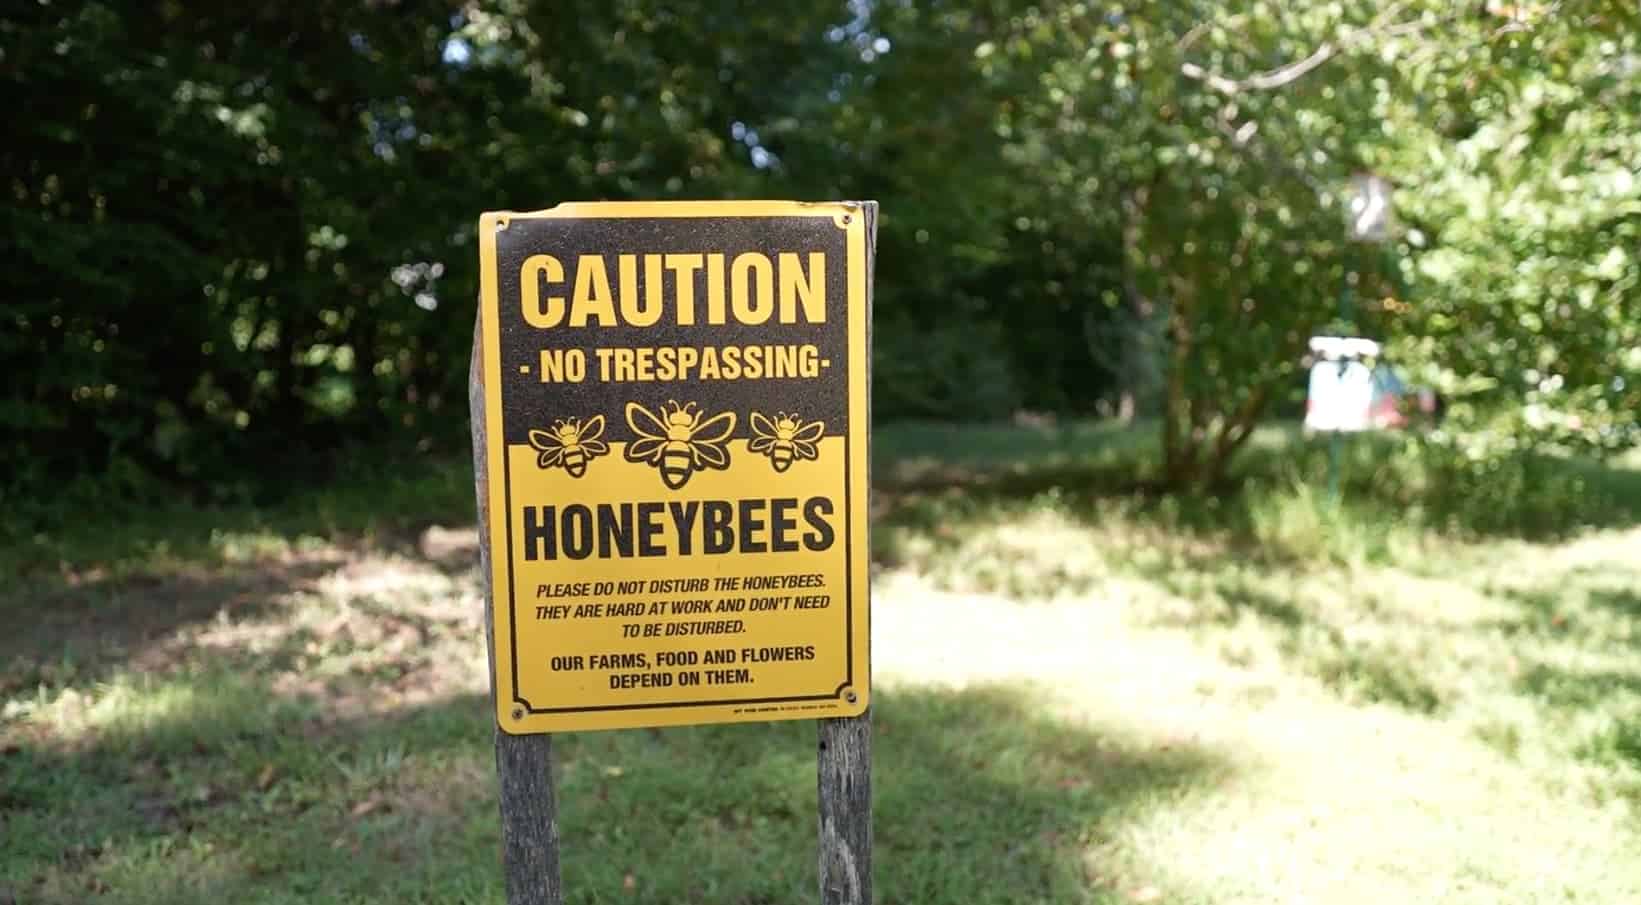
950	370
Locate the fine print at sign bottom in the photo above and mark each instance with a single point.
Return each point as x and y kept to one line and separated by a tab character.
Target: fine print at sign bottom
691	608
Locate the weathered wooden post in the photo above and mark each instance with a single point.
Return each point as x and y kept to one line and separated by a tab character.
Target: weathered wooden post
845	778
670	408
524	763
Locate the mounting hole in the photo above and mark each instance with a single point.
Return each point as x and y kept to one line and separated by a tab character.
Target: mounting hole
850	696
518	713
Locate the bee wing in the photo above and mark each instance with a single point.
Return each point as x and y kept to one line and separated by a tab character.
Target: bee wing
645	424
810	432
760	444
762	426
645	450
651	432
544	441
593	429
595	447
708	453
710	432
706	442
549	458
805	449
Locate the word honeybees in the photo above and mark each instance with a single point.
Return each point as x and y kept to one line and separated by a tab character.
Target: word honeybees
570	444
785	438
678	442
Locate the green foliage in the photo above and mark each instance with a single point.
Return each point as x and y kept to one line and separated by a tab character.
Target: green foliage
228	228
951	371
236	235
239	236
1217	143
1525	222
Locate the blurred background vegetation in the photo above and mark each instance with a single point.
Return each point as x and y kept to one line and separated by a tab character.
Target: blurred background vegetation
240	237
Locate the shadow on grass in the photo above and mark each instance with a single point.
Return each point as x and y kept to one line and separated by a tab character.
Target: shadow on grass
1625	602
1238	599
1275	502
79	631
979	795
1581	690
934	453
83	598
371	502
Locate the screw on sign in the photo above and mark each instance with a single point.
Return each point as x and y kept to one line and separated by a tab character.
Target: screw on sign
670	446
1368	210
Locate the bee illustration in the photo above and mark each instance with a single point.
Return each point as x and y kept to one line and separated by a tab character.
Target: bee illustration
679	442
785	438
572	443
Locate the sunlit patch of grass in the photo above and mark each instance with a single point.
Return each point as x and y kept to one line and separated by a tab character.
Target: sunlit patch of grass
249	546
1034	549
1527	646
1302	522
1328	796
161	715
181	870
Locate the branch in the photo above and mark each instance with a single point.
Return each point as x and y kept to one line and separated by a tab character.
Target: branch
1264	81
1519	22
1243	140
1292	72
1192	36
1236	431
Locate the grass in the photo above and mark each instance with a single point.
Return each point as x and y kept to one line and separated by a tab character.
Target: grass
1083	694
377	502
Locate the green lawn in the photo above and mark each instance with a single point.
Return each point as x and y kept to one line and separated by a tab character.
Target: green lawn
1427	692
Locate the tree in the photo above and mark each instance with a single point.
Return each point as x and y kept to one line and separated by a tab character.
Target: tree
241	233
1218	144
1527	294
235	226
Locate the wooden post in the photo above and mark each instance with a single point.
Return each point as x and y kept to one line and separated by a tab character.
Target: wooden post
524	763
844	751
845	779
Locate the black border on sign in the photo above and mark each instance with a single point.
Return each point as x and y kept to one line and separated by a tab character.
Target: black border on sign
848	570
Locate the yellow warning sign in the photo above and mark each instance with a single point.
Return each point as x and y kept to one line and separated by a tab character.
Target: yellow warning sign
677	427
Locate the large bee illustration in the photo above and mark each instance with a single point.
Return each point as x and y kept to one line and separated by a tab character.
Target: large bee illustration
679	442
785	438
570	444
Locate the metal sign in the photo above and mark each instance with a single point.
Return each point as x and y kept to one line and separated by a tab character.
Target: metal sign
1340	395
1368	212
676	401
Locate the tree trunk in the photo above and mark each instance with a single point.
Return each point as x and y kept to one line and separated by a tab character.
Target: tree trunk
1181	436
